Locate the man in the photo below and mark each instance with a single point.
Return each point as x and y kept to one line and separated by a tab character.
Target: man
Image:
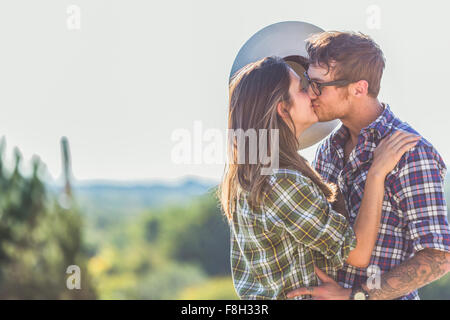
413	243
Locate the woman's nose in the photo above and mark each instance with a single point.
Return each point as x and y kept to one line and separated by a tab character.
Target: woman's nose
311	93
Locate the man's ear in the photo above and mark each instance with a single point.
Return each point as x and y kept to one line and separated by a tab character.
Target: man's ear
282	111
360	88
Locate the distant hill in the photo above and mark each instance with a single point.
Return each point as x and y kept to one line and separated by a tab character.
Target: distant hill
120	199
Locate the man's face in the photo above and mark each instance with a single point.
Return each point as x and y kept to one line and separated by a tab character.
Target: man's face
333	102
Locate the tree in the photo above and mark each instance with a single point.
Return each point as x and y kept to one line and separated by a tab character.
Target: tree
39	238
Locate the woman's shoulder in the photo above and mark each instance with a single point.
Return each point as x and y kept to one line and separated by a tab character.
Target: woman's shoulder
290	183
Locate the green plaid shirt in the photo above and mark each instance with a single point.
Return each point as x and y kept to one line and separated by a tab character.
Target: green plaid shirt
274	247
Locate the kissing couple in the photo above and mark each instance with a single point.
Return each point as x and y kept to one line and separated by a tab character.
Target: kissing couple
366	220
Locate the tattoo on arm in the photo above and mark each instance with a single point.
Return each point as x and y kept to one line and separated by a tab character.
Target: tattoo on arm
426	266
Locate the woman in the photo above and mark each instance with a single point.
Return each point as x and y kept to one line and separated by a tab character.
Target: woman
283	224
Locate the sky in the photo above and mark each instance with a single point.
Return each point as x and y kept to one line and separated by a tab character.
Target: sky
122	79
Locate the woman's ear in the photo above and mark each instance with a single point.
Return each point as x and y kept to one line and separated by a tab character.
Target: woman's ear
282	111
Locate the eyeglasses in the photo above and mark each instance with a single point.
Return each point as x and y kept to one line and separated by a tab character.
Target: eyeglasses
317	86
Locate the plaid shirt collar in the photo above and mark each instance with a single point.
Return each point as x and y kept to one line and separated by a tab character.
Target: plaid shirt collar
367	139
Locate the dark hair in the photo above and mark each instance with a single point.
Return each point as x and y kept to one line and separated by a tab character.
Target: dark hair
255	92
349	55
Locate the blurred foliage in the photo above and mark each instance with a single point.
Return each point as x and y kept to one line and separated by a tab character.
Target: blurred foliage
217	288
195	234
164	283
39	238
179	250
166	251
438	290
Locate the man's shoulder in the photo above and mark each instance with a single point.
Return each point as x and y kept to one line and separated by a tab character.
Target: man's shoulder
423	156
424	150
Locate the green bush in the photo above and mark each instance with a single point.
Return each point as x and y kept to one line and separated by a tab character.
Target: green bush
39	239
196	234
219	288
438	290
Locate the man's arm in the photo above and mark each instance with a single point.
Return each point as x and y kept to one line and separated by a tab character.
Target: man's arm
419	189
426	266
419	192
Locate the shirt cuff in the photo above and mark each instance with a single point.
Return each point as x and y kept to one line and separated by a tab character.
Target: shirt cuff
347	244
432	241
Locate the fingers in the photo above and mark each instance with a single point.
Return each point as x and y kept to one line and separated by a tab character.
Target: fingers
406	142
390	139
404	139
398	136
398	139
301	291
313	291
408	146
322	275
391	149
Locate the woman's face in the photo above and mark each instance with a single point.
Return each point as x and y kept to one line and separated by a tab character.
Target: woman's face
301	110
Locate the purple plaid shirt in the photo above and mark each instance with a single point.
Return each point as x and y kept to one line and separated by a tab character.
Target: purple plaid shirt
414	213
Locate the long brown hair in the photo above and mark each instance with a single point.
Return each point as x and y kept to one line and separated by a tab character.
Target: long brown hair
254	93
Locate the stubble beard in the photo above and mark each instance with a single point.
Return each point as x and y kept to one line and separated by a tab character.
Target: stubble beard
325	117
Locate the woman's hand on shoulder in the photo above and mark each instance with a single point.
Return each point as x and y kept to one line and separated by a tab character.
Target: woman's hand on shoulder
390	150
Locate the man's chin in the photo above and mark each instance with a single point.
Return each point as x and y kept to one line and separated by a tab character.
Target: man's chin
325	119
